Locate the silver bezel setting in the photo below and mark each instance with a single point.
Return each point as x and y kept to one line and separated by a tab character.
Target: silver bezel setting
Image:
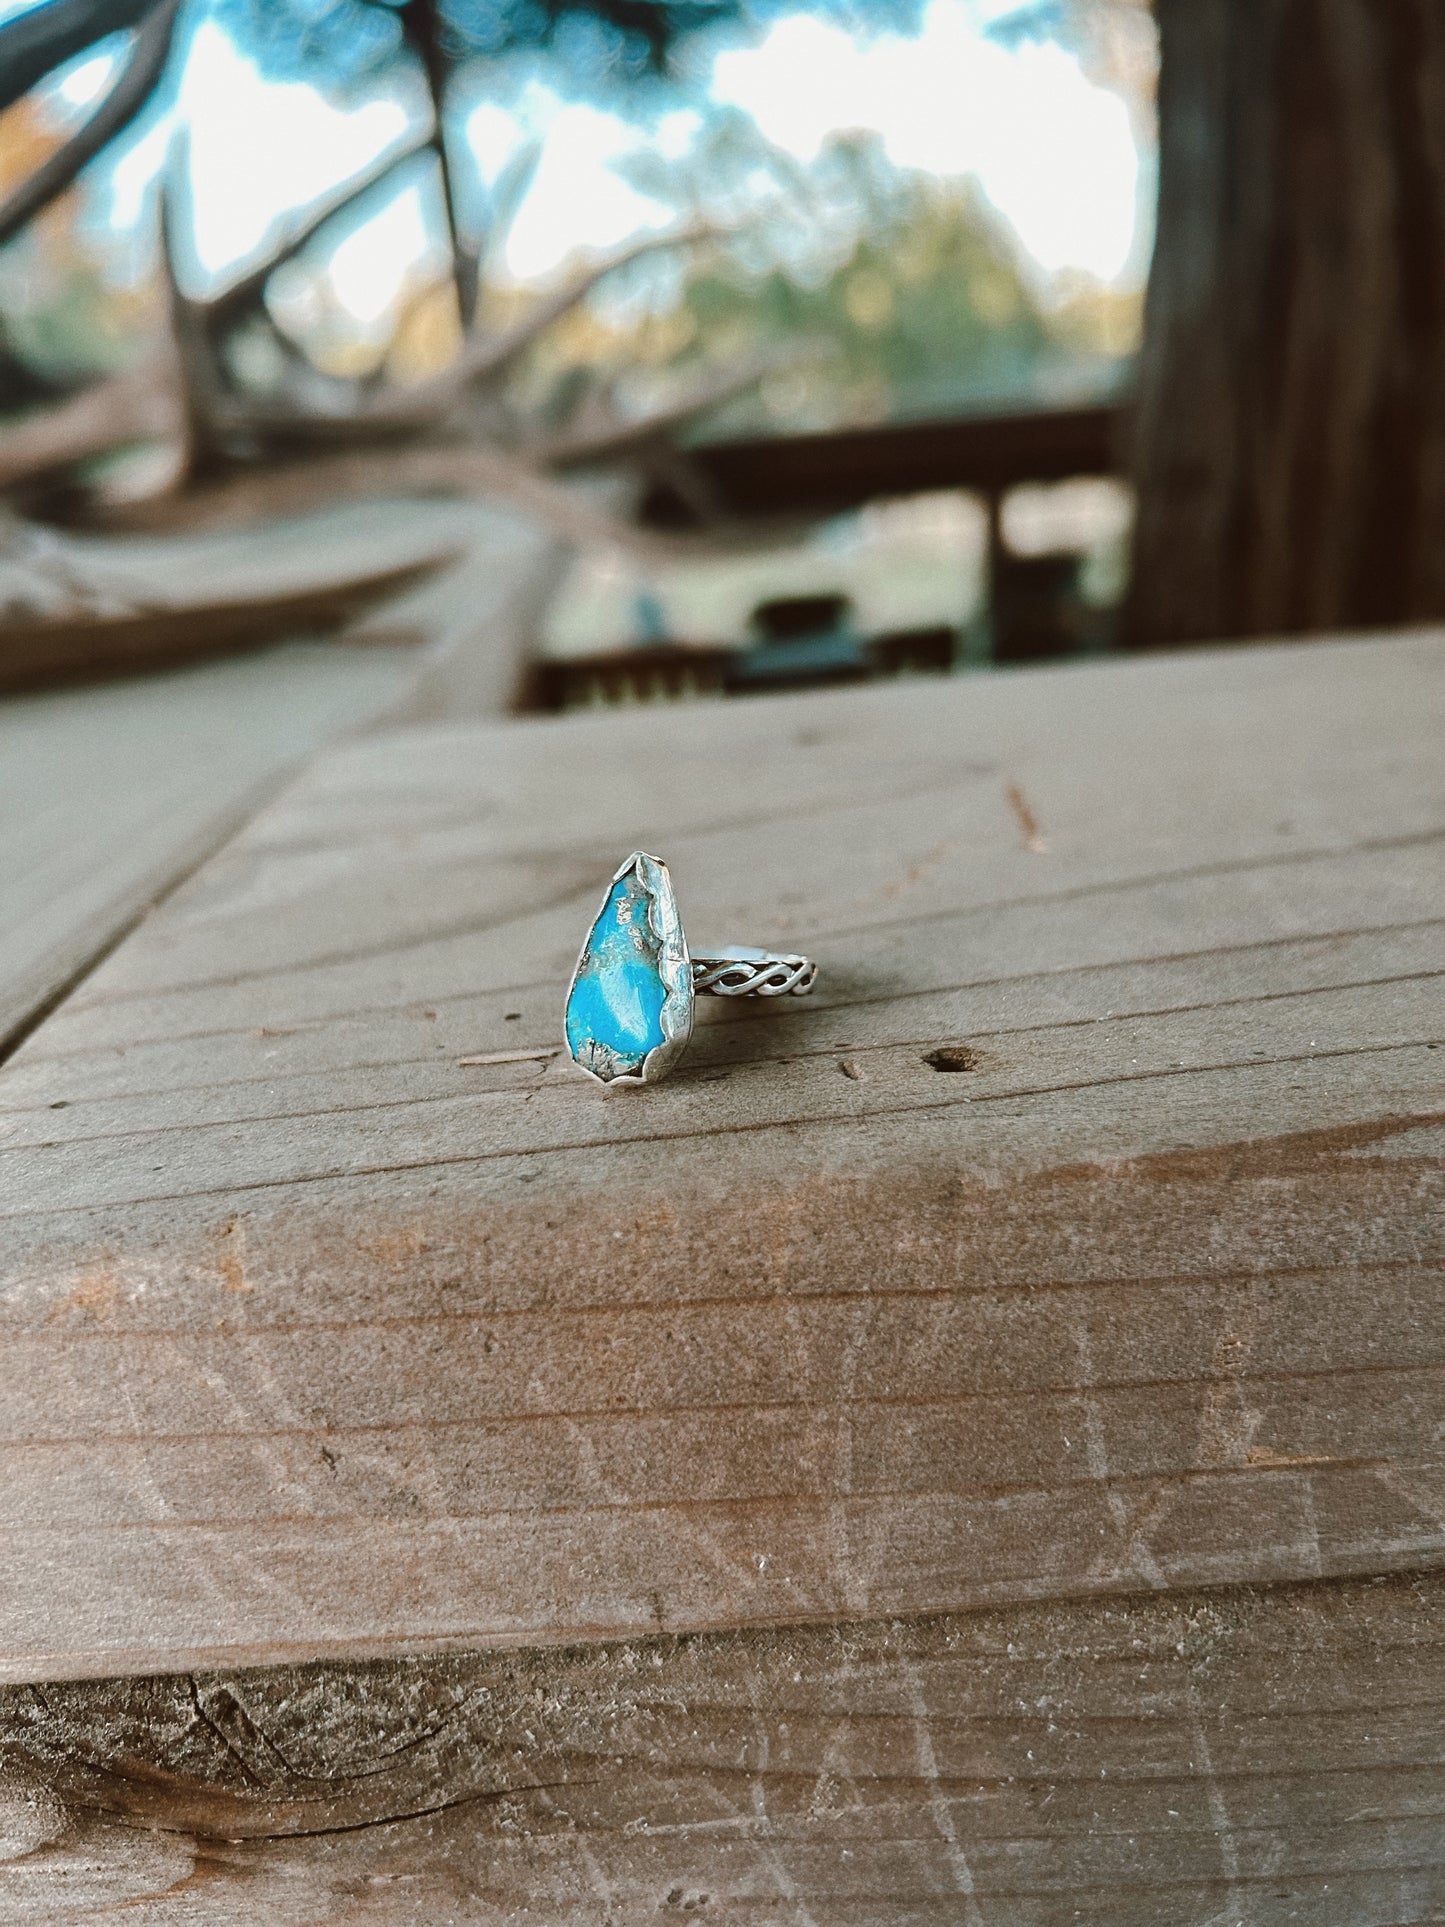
674	967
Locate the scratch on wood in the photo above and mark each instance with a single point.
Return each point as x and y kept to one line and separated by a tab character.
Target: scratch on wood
1313	1557
1137	1554
1214	1795
1026	820
592	1478
938	1808
592	1867
762	1830
513	1056
1264	1460
1399	1482
853	1582
1228	1422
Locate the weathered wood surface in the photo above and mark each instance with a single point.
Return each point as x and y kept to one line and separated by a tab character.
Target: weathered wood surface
480	619
108	795
1195	1760
318	1343
466	577
75	605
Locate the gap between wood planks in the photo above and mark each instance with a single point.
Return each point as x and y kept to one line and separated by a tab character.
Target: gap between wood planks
222	832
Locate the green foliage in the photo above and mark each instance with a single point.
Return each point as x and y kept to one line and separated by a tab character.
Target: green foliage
62	323
905	291
81	332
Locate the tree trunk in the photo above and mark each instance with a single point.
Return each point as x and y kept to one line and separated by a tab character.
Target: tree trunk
1289	447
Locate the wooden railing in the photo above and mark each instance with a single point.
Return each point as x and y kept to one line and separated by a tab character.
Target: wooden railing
844	468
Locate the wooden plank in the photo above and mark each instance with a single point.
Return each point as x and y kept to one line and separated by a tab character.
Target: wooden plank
93	605
82	647
108	795
1209	1757
480	619
86	604
318	1342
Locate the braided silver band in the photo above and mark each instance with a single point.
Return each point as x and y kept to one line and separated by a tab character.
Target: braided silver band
737	971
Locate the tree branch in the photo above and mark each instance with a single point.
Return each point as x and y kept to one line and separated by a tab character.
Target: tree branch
188	346
231	301
621	437
422	30
289	488
398	412
132	89
484	357
43	38
508	192
138	406
488	356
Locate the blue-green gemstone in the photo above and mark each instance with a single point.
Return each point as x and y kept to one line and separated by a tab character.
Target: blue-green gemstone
614	1012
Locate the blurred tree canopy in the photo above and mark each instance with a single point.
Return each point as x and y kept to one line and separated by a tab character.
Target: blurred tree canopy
789	295
901	295
62	320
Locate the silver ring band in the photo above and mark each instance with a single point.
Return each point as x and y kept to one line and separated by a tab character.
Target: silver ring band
738	970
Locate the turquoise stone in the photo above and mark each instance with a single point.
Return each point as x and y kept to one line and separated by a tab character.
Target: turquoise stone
614	1012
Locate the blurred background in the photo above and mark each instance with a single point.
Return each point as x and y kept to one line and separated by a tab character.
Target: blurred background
641	350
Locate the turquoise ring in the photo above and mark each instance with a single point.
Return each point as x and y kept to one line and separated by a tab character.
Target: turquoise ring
630	1001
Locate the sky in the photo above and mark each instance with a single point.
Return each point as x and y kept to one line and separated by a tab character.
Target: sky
1053	152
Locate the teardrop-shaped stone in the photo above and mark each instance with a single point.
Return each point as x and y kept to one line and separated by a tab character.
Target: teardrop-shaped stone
616	1006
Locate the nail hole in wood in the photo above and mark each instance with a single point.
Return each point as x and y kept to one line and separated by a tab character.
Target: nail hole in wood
953	1057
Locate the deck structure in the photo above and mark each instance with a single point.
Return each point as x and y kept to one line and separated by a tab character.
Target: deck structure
967	1449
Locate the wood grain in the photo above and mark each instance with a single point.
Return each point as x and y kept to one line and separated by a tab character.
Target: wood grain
1219	1756
108	795
319	1343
